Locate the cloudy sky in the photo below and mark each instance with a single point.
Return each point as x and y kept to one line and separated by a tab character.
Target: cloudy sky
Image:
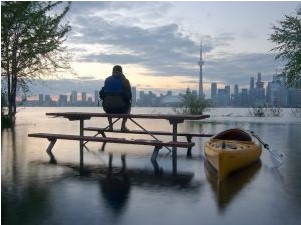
158	43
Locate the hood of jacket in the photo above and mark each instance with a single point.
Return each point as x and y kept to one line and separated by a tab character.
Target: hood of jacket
117	75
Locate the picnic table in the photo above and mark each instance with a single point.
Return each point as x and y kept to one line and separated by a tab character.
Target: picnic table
174	120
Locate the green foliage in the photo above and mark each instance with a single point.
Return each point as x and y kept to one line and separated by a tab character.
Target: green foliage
257	111
265	111
287	37
191	104
32	38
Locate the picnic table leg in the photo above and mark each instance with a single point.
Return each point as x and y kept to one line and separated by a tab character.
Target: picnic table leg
104	143
174	149
154	159
81	144
49	151
188	155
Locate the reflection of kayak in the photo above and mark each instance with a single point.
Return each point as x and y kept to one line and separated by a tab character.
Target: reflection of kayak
225	191
231	150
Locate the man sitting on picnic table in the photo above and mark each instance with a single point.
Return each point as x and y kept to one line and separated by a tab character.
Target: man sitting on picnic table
116	95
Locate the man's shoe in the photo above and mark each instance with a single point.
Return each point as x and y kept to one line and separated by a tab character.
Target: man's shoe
124	129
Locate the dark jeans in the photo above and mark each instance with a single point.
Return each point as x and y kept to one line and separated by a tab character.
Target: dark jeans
118	110
116	104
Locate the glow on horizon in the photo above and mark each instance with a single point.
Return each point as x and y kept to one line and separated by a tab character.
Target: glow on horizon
138	76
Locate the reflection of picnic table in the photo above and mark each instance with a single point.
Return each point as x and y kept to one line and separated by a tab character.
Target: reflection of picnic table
174	120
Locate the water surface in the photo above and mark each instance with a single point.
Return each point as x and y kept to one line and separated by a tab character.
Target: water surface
35	191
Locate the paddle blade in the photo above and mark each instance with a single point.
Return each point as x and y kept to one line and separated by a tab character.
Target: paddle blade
277	159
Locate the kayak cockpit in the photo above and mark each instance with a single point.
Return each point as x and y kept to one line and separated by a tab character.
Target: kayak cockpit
233	134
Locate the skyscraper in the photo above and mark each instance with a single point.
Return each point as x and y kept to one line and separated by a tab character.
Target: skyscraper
259	84
41	99
201	63
214	93
84	98
73	97
96	96
134	96
252	83
228	95
236	94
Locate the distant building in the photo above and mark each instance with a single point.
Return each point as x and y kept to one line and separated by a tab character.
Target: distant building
276	93
222	97
84	98
257	94
96	98
48	100
236	95
201	63
134	96
73	97
252	83
170	100
62	101
90	102
228	95
214	93
41	99
244	97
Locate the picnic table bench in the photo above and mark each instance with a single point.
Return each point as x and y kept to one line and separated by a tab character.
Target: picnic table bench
157	144
188	136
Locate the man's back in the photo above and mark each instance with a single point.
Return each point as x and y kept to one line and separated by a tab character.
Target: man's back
116	94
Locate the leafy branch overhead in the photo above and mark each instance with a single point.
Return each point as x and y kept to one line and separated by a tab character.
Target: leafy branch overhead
287	37
32	39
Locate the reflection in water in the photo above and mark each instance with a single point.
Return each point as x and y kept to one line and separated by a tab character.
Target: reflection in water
36	192
227	189
294	166
116	190
118	177
28	200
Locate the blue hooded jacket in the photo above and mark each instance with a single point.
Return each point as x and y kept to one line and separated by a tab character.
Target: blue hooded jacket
117	85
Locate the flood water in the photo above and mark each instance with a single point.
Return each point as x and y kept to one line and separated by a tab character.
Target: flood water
35	191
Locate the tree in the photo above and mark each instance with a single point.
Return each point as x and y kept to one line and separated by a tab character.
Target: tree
287	36
32	37
192	104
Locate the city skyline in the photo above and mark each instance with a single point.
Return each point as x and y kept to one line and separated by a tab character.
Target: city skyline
272	93
157	43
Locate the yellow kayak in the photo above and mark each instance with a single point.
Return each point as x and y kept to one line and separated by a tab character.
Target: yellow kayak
231	150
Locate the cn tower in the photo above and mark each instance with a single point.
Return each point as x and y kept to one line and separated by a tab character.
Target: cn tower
201	63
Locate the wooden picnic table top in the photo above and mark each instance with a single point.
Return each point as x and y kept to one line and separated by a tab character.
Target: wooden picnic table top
87	115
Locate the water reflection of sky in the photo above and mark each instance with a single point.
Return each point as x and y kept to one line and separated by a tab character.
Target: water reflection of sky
36	192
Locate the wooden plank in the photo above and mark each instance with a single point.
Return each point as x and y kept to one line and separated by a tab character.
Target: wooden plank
100	130
52	137
170	117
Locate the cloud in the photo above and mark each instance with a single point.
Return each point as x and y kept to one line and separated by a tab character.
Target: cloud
66	86
157	48
238	68
138	33
162	49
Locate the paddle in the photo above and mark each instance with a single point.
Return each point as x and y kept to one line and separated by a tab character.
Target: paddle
277	159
